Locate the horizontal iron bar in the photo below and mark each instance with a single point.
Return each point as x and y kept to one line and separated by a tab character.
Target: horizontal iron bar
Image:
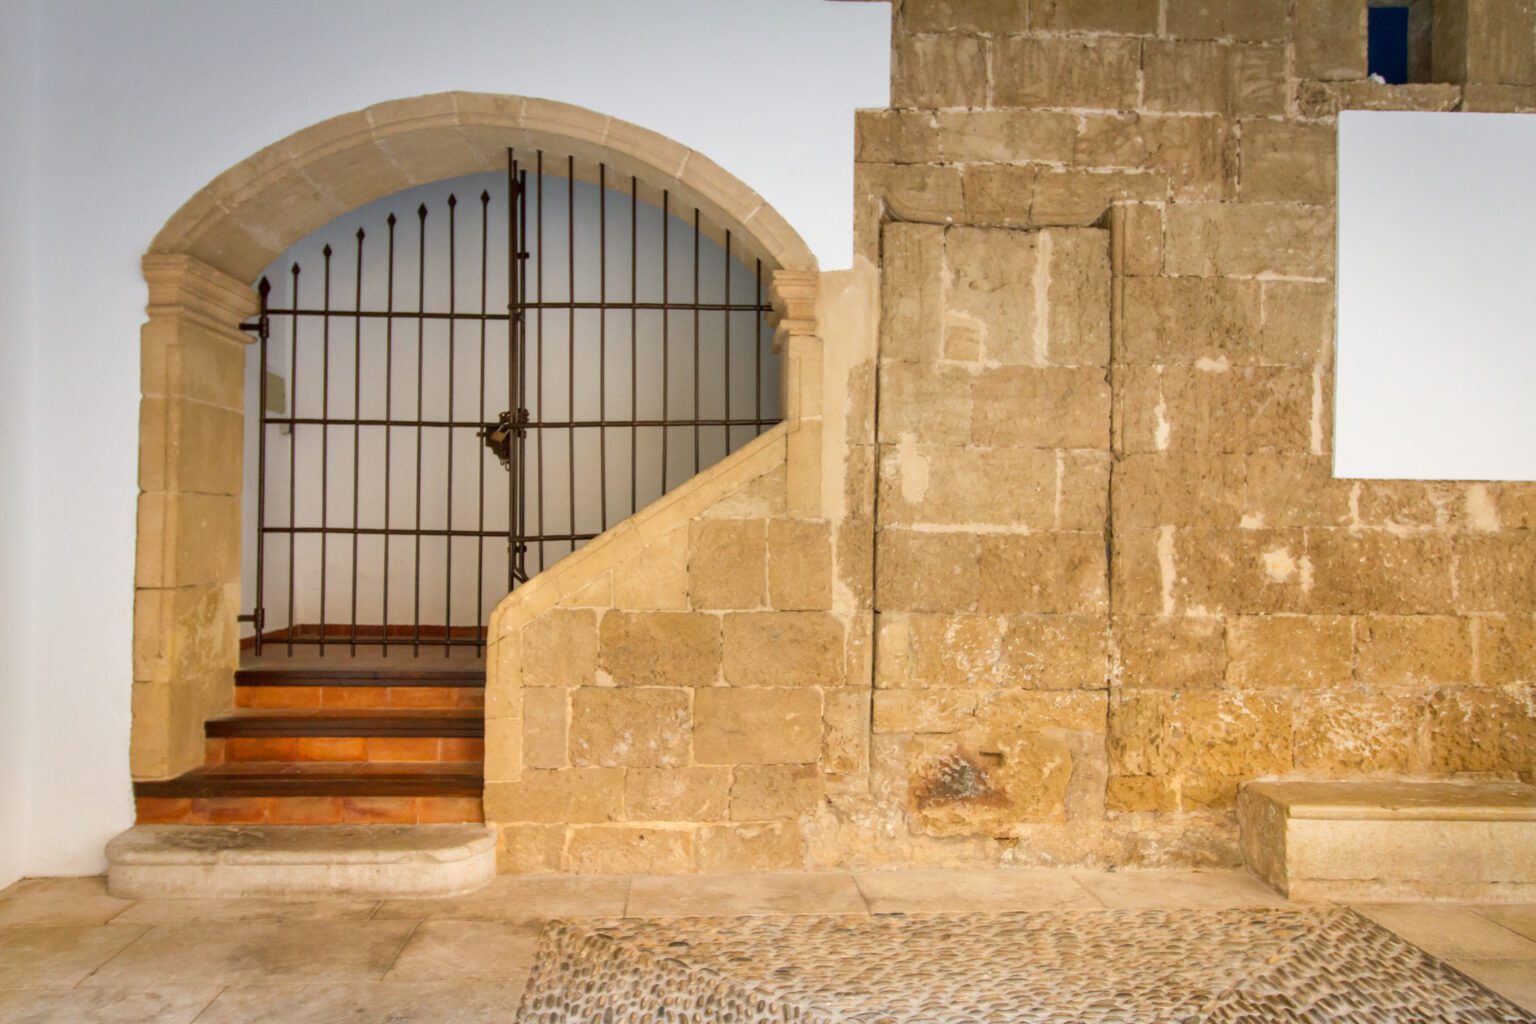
402	314
405	531
315	421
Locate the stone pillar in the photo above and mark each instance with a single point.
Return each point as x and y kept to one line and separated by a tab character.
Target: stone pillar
793	294
187	576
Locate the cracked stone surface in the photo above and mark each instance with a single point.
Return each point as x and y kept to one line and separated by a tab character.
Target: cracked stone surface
1327	965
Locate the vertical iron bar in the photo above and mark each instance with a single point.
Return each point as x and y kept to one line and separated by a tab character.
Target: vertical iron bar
695	340
666	323
293	446
389	431
602	340
265	291
538	342
634	365
758	362
522	369
485	242
357	414
514	397
727	315
421	323
570	342
453	278
325	438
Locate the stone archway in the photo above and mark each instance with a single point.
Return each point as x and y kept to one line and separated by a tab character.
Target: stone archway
186	645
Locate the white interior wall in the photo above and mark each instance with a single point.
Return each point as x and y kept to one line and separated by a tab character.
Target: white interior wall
139	105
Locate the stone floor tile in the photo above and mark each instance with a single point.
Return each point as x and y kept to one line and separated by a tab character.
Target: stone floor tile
187	911
522	897
1515	980
64	901
105	1005
472	950
903	892
59	956
232	953
832	892
1517	917
1157	889
387	1002
1451	932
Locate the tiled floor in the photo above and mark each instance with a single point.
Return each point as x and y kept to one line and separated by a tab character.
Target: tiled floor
71	953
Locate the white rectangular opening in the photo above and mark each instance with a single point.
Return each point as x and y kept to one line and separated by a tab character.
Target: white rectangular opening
1436	376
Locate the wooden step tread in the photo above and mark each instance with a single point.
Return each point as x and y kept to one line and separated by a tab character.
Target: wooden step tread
406	675
320	778
451	722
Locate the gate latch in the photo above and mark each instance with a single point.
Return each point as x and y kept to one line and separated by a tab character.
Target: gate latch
498	436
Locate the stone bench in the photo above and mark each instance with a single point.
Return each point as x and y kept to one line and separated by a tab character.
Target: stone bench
1386	841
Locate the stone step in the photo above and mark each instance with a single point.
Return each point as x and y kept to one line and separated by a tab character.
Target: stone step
1392	840
300	862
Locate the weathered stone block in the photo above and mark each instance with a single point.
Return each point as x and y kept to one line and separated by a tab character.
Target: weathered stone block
1478	730
990	297
783	649
629	727
1080	198
761	792
629	849
1241	571
1082	500
923	571
1055	652
1139	561
1501	42
845	722
1136	739
1378	572
1293	489
1051	573
947	651
1140	793
923	711
1413	650
1506	650
1216	408
964	16
1248	239
895	137
911	295
930	404
728	563
753	725
1229	733
1286	162
545	726
560	648
1496	572
660	648
1189	319
1330	39
1140	239
799	564
1065	72
1178	489
1009	712
1006	136
1288	652
949	486
1170	653
1123	17
986	785
677	794
657	578
1243	20
1298	323
1197	155
999	195
1236	80
530	849
913	192
762	846
1077	296
1342	732
567	795
938	71
1044	407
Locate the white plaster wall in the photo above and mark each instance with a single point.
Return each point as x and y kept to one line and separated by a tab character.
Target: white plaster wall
17	128
139	105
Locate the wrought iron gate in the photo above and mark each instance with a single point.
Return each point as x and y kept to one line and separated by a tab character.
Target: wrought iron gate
618	380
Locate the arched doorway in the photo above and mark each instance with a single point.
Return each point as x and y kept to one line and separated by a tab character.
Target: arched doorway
201	269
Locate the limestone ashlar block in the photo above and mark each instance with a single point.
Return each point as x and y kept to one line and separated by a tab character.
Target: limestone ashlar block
1072	711
986	784
1227	733
559	648
1094	73
924	711
774	791
1298	322
964	16
1249	239
1196	155
1040	407
1082	500
1178	489
999	195
1506	649
1496	572
1243	20
530	849
1045	573
1190	319
677	794
947	70
629	849
1292	652
968	487
1366	572
1348	732
845	718
756	846
799	564
1413	650
558	797
1234	80
1139	239
895	137
632	727
728	563
1171	653
1294	489
1286	162
1055	652
1121	17
1484	730
1395	841
757	725
1073	197
915	192
1496	99
926	571
991	310
1238	571
911	296
1216	408
660	648
1330	39
1005	136
783	649
187	539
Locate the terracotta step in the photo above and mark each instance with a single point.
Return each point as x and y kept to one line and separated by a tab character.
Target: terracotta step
412	672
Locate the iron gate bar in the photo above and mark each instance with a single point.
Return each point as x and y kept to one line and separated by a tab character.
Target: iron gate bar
519	532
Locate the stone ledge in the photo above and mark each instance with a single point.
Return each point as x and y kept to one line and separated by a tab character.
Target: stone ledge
1374	841
300	862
